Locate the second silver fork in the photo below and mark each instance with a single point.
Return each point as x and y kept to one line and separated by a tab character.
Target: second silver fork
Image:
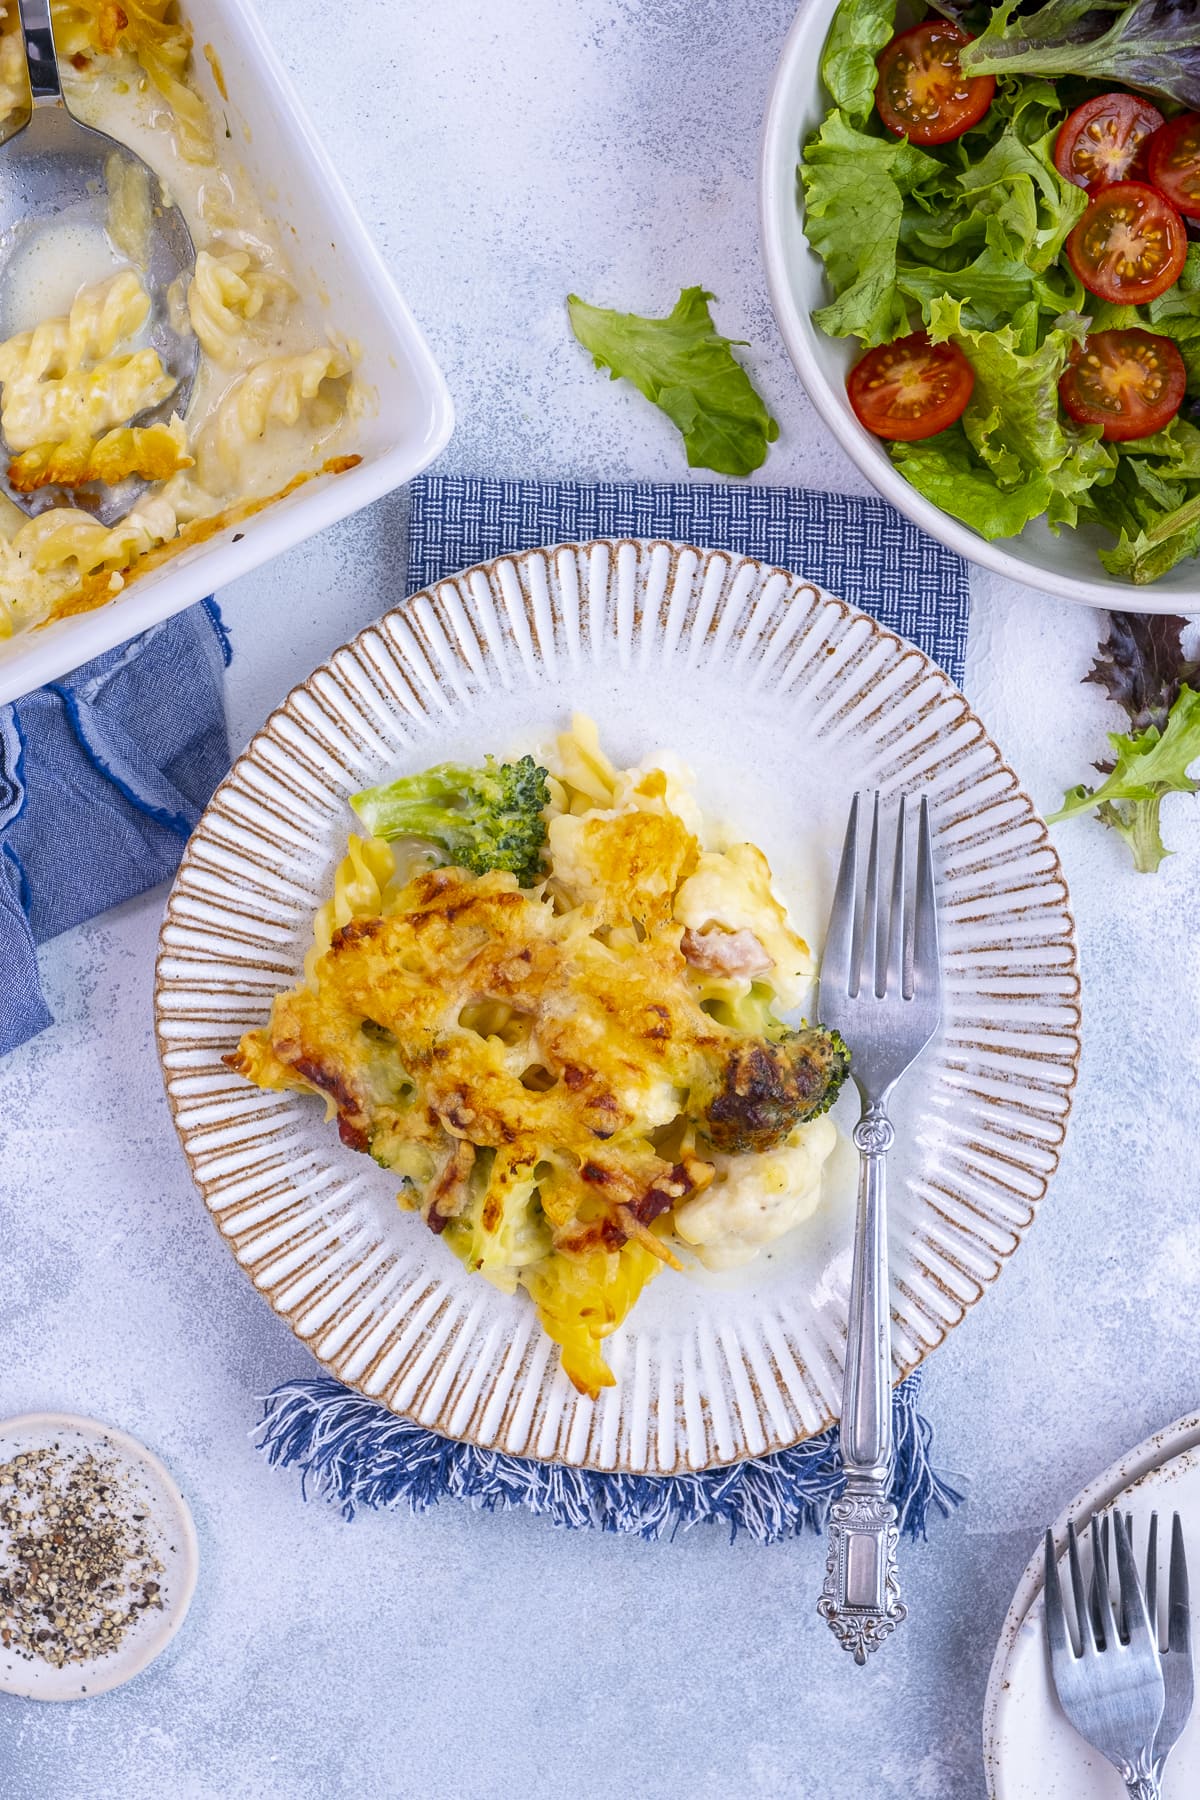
881	989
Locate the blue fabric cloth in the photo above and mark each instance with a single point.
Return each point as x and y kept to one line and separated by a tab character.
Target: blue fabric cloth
102	777
352	1450
860	549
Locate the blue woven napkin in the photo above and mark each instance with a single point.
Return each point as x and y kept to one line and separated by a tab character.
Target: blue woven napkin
860	549
102	777
352	1450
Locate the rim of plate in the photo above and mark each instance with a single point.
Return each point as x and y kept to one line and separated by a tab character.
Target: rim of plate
1147	1458
565	1448
154	1643
779	152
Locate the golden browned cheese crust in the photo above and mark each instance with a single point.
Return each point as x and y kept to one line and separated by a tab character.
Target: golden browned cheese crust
607	1038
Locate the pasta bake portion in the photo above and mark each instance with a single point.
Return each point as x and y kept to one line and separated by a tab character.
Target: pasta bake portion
547	1003
85	402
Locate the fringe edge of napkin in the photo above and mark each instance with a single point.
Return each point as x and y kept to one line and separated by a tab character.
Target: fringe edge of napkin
354	1452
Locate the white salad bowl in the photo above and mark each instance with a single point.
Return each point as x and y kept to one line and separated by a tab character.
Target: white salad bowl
1066	565
407	417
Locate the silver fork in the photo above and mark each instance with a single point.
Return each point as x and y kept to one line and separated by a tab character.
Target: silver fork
1112	1690
1176	1658
881	988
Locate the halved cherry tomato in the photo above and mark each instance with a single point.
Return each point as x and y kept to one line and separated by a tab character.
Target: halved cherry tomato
1104	141
910	389
1130	383
922	93
1174	163
1129	246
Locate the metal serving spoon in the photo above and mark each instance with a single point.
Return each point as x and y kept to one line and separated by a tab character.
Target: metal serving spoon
55	176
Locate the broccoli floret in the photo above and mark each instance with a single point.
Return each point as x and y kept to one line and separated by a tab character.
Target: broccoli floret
768	1087
480	819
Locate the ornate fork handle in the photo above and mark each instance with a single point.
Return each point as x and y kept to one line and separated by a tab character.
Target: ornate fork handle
861	1598
1142	1780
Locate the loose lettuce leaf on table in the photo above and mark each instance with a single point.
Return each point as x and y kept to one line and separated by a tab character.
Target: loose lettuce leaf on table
1153	45
684	365
1142	665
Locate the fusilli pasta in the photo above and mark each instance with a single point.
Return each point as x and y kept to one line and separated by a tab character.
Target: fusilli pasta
275	391
83	401
226	292
152	452
100	318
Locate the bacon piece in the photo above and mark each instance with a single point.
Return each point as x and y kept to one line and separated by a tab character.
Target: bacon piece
717	952
450	1189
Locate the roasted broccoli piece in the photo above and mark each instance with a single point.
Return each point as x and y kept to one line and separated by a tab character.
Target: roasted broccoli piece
767	1087
480	819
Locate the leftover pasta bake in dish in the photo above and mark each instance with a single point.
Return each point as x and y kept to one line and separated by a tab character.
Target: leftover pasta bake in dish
274	392
549	999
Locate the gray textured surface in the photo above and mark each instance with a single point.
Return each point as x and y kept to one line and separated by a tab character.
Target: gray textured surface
506	154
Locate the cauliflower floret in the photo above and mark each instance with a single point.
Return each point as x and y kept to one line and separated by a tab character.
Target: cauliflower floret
756	1198
732	888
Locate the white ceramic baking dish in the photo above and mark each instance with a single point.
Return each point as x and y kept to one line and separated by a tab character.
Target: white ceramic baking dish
409	416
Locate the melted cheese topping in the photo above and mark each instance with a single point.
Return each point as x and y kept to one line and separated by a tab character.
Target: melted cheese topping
542	1065
731	889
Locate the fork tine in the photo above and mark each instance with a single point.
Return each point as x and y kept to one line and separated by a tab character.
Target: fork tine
1152	1575
891	979
1100	1573
1108	1625
926	962
1133	1601
866	937
1056	1620
1179	1618
839	939
1083	1621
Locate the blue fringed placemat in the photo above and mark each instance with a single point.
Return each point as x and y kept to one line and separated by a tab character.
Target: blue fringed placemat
355	1452
352	1450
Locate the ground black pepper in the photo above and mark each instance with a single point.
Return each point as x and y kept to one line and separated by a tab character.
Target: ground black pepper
77	1568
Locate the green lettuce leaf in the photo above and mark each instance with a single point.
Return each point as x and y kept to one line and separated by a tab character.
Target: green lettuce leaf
854	190
947	471
1146	766
1150	45
1013	421
684	365
859	31
1143	555
1151	503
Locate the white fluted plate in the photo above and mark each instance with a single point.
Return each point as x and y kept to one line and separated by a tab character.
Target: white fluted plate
784	701
1030	1751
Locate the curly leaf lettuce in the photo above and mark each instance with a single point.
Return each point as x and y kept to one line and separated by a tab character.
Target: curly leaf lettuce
1152	45
1141	665
947	471
858	33
895	225
1013	422
684	365
1146	768
854	189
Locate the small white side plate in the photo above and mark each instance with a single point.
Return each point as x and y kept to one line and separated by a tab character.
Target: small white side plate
171	1530
1030	1751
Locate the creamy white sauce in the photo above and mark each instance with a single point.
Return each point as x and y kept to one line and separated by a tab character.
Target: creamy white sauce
50	264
